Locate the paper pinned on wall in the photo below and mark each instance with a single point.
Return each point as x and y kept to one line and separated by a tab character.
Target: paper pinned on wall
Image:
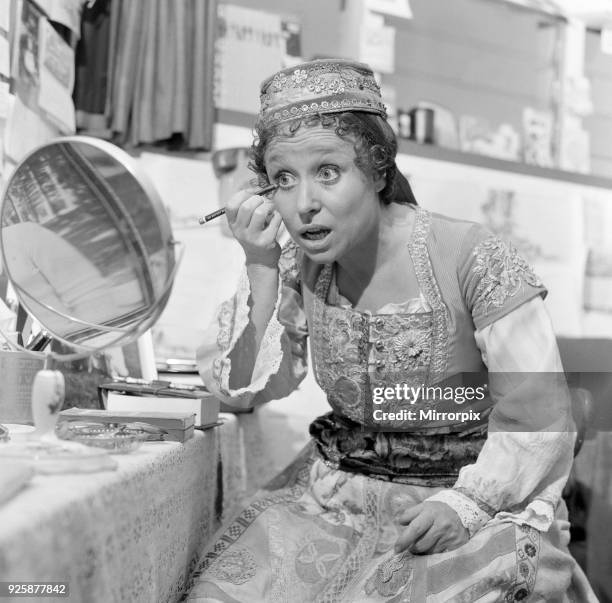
25	131
56	63
598	279
5	16
4	100
243	32
5	64
395	8
377	46
606	40
66	12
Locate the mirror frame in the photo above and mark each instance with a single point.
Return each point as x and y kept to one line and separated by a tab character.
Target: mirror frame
157	305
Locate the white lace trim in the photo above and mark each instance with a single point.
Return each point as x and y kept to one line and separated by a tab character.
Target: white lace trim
270	355
539	514
471	515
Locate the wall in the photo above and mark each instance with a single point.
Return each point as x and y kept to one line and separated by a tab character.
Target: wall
479	57
476	57
599	71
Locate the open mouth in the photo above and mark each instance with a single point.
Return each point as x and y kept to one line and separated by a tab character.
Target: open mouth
315	234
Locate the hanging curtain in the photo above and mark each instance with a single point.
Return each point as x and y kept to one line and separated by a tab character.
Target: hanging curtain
91	73
161	71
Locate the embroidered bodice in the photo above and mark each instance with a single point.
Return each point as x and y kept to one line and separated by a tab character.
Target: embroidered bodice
481	305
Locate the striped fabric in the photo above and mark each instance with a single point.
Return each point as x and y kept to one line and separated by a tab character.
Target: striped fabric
319	534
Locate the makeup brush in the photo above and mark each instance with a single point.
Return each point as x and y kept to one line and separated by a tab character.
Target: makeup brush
215	214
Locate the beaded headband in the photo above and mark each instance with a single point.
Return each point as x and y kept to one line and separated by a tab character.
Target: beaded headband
321	86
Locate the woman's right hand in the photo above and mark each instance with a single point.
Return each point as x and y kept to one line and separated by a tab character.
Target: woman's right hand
255	224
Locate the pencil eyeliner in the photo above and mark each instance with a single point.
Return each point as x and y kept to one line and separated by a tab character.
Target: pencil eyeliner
220	212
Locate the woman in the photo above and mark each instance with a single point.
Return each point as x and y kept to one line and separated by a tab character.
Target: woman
421	484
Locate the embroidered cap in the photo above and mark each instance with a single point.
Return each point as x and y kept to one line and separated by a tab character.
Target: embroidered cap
321	86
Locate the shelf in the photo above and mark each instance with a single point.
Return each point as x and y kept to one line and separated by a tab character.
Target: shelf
428	151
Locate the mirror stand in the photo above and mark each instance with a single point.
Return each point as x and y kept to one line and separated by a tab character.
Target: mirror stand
87	245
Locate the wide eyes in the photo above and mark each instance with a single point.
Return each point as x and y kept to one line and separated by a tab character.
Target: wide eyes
284	180
327	174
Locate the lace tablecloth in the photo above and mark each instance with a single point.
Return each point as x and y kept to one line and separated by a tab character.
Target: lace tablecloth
127	535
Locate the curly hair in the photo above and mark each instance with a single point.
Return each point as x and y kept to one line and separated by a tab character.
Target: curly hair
373	139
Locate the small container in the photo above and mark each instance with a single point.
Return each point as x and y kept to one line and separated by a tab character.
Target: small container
116	438
422	125
404	122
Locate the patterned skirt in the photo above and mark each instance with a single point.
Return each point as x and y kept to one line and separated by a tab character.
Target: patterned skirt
316	533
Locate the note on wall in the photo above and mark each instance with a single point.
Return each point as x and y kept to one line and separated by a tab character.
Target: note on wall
377	45
66	12
242	33
42	78
56	60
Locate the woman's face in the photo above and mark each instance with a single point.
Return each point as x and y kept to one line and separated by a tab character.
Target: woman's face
329	206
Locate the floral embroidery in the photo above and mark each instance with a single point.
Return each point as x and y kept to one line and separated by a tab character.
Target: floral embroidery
346	392
355	561
502	272
236	566
226	323
521	594
299	76
288	263
317	560
530	550
390	576
355	351
327	81
225	320
279	81
428	285
527	548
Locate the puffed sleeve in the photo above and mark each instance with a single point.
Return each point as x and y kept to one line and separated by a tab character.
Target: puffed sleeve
281	361
494	278
523	466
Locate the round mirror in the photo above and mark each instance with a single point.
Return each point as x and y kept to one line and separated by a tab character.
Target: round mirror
86	243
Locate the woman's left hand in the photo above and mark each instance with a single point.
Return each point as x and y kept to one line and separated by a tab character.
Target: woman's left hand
433	527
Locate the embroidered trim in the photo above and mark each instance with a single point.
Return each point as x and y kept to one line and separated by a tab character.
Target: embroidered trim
226	321
232	320
355	562
328	106
270	353
527	561
240	524
320	290
326	86
421	346
341	373
471	515
428	285
391	576
288	268
236	566
317	560
338	80
502	272
488	509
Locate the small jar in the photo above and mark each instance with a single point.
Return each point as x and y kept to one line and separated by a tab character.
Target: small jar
404	123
